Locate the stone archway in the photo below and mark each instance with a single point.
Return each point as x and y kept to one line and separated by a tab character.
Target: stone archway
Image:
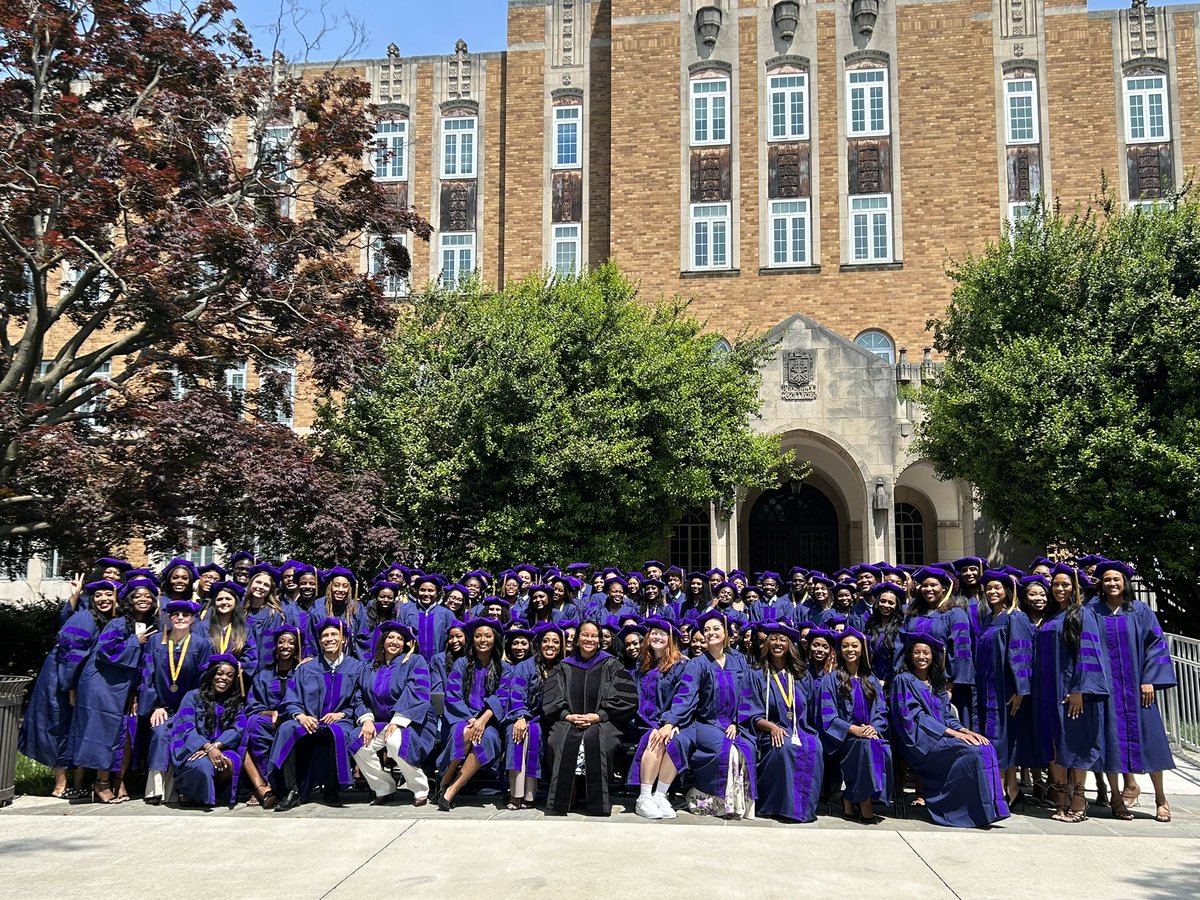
794	525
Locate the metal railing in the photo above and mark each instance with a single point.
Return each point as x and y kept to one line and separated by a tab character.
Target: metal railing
1181	706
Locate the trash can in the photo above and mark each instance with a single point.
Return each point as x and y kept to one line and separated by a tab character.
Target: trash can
12	697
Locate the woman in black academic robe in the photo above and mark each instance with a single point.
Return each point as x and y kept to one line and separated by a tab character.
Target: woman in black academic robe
584	702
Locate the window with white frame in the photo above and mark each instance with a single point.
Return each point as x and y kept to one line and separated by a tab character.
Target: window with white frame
1018	212
284	413
199	554
393	285
458	258
566	246
1021	116
276	163
710	111
788	102
878	343
867	92
567	120
710	236
790	233
458	147
391	150
235	383
1146	109
871	228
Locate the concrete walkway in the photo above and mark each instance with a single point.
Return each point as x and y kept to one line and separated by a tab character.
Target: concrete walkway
48	847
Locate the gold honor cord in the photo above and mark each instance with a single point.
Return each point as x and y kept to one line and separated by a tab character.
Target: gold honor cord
176	669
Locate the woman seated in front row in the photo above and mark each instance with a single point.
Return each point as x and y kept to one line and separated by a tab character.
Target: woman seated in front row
206	735
959	769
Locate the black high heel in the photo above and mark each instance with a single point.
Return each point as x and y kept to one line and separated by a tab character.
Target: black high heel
1016	802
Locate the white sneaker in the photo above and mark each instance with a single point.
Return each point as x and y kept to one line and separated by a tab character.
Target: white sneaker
664	806
647	808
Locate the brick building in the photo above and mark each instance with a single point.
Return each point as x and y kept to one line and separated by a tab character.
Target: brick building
803	167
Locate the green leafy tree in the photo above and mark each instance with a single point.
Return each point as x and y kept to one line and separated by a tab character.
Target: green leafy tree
553	419
1071	389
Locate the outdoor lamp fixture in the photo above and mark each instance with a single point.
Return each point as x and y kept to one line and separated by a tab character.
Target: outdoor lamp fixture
881	501
708	23
787	16
864	13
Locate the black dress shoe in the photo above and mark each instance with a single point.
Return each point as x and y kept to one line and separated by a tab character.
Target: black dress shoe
442	803
291	801
332	798
383	800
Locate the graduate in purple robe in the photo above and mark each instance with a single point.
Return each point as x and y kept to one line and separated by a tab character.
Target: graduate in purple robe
882	629
382	607
522	698
429	620
659	756
1003	672
265	700
1139	666
585	700
172	664
854	728
958	768
340	601
106	691
936	609
46	726
302	612
317	722
262	607
1069	692
224	624
475	712
399	717
207	735
713	710
790	766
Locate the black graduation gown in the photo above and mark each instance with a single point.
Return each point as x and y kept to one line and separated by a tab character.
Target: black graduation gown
600	685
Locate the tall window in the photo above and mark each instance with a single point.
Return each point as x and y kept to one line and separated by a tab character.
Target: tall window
276	164
393	285
871	228
566	136
878	343
566	250
690	549
199	554
710	111
285	413
1022	118
458	147
1146	109
788	96
910	535
235	383
391	146
94	405
868	97
710	236
458	258
789	233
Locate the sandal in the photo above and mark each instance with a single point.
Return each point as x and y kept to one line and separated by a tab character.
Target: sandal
513	805
1119	810
1073	816
268	800
1131	800
74	793
1062	802
1162	813
918	800
104	787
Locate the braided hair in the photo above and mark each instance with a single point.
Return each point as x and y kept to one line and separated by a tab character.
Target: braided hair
231	702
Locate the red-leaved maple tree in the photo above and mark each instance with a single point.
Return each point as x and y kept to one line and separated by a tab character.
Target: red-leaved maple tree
173	205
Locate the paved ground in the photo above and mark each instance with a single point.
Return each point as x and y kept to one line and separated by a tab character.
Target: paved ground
48	847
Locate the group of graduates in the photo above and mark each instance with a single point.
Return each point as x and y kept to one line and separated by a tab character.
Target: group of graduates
758	696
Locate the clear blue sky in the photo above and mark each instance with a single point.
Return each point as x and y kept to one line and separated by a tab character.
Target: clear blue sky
419	27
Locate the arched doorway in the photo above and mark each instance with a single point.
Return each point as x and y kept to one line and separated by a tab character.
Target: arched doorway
796	525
